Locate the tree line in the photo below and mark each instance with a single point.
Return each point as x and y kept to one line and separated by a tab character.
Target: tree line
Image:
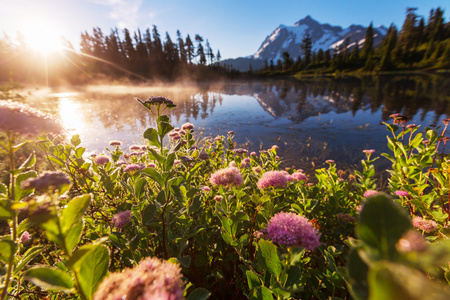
419	44
117	55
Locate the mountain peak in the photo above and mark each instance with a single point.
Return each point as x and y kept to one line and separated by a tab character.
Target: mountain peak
306	21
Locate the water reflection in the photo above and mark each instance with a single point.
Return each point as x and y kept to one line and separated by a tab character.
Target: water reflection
311	120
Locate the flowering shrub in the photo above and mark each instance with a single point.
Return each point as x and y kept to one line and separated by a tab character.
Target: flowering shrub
176	217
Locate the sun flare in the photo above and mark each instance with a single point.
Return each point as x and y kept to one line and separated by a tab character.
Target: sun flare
41	35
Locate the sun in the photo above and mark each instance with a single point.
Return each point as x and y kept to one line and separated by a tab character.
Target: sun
41	35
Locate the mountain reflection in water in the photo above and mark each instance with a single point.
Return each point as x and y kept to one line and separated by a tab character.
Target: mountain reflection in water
310	120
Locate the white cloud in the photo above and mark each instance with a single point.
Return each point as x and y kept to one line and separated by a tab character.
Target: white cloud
124	12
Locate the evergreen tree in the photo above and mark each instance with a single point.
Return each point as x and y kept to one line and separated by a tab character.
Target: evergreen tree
181	48
367	48
189	49
306	47
218	56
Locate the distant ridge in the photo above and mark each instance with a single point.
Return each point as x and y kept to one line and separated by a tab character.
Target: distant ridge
289	38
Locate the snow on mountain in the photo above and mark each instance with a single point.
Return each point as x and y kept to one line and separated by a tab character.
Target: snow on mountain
324	36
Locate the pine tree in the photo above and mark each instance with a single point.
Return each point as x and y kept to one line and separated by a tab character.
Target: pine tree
189	49
306	47
367	48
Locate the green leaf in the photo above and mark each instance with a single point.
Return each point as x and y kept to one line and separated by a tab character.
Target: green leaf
390	280
267	253
358	270
50	278
7	249
266	294
3	189
74	211
72	236
91	263
253	280
382	224
139	186
29	162
154	175
5	209
19	192
75	140
152	136
27	257
199	294
164	128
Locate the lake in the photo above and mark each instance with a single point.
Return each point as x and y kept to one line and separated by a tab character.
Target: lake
311	120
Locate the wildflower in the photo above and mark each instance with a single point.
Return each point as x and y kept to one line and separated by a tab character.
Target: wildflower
218	198
230	132
115	143
293	230
277	157
182	132
346	218
206	188
120	162
176	162
272	179
395	115
288	176
218	138
25	120
274	147
151	165
101	160
370	193
157	100
402	193
25	237
240	151
299	176
143	147
193	147
134	148
412	241
411	126
132	168
182	142
187	126
228	176
47	181
203	156
257	169
152	278
425	225
187	158
176	129
253	153
330	161
369	151
445	121
121	219
175	137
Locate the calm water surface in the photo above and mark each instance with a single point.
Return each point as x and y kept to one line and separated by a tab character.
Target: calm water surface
310	120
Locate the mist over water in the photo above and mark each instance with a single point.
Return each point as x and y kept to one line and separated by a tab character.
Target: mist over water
310	120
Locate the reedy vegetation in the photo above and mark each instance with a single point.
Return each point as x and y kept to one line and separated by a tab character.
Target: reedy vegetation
226	234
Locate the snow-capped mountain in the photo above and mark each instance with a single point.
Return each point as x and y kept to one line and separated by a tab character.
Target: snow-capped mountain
323	36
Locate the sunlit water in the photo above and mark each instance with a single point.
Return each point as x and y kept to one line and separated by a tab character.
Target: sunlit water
311	121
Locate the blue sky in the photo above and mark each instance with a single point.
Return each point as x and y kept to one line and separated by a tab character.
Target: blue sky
236	27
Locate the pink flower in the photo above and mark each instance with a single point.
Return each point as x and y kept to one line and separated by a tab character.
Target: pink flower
293	230
288	176
120	162
370	193
206	188
228	176
152	278
25	237
272	179
115	143
425	225
101	160
218	198
134	148
121	219
187	126
151	165
132	168
330	161
274	147
402	193
369	151
299	176
253	153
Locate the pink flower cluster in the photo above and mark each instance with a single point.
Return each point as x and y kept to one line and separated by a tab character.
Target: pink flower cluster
299	176
187	126
425	225
101	160
272	179
121	219
293	230
150	279
230	176
370	193
402	193
369	151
